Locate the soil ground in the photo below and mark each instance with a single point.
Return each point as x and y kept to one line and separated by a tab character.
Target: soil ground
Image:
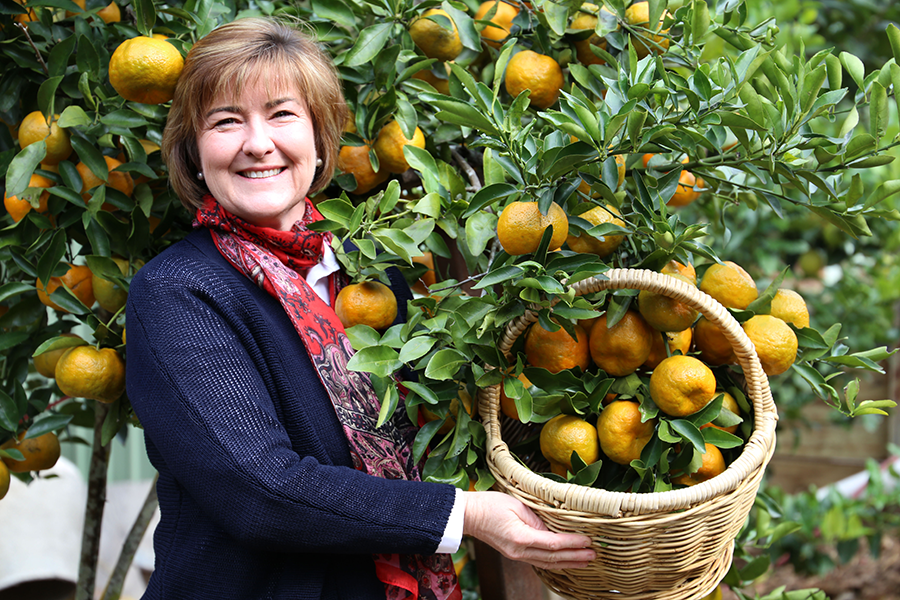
863	578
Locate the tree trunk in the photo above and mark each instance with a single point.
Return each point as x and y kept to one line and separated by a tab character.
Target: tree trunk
113	589
93	511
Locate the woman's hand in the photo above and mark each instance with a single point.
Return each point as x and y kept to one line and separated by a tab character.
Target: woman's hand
512	529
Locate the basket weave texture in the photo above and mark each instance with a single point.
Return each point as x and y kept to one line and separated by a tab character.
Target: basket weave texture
673	545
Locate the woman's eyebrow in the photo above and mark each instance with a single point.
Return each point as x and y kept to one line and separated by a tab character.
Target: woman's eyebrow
231	109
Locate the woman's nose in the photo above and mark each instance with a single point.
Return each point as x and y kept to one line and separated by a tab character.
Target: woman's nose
258	141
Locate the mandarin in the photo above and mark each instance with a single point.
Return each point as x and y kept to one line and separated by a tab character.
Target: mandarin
622	434
521	226
557	350
730	284
538	73
368	303
682	385
601	246
621	349
775	343
564	434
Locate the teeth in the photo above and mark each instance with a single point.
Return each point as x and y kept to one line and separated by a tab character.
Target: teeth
261	174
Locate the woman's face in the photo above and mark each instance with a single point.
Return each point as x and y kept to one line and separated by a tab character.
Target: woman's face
258	155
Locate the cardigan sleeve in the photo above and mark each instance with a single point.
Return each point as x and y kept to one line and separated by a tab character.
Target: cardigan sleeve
195	382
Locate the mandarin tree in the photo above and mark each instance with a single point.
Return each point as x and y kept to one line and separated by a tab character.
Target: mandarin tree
702	85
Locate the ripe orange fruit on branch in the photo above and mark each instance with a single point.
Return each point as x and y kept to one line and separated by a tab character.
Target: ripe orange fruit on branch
118	180
145	70
621	349
666	313
77	279
644	42
88	372
790	307
355	161
584	20
564	434
501	22
711	343
604	246
45	363
368	303
556	350
110	296
538	73
682	385
685	192
34	128
389	146
433	39
521	226
622	435
713	464
775	342
40	452
19	207
730	284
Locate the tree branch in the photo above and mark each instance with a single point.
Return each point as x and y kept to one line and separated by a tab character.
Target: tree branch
93	510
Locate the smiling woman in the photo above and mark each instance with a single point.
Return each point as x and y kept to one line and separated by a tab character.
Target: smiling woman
274	481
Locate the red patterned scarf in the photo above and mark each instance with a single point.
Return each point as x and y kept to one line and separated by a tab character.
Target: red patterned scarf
278	261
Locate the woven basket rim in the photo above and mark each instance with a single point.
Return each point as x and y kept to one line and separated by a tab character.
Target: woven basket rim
565	496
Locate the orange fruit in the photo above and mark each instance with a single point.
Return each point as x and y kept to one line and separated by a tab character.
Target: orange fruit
145	69
109	14
673	267
88	372
775	343
711	343
730	284
507	404
440	84
728	403
556	350
30	17
675	340
604	246
40	452
638	15
521	226
538	73
117	180
665	313
34	128
432	39
428	278
685	192
682	385
4	480
368	303
77	279
583	51
564	434
19	207
389	146
621	433
45	363
621	349
501	23
109	295
790	307
713	464
355	160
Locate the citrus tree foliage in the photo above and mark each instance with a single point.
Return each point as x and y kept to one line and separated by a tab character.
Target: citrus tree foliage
765	130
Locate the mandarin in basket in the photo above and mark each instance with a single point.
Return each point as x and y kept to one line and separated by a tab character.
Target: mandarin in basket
790	307
605	245
775	343
682	385
673	267
564	434
557	350
621	349
679	341
730	284
665	313
713	464
711	343
622	434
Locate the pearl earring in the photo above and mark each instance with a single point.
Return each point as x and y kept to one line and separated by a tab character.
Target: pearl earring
200	176
318	162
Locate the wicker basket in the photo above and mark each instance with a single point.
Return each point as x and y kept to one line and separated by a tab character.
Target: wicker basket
670	545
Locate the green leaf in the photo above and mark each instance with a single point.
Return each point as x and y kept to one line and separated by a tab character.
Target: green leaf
429	205
499	276
895	83
22	167
370	42
145	16
46	422
387	392
445	364
46	95
59	57
362	336
398	242
855	67
13	288
9	412
878	110
699	19
124	118
835	74
480	229
53	254
489	195
459	113
57	343
894	38
416	348
381	361
810	86
690	432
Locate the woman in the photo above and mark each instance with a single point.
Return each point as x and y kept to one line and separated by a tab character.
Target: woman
273	481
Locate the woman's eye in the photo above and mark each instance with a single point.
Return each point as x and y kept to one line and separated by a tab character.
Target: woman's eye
225	122
284	113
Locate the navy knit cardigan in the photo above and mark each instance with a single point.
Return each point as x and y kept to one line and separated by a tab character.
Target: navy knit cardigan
256	492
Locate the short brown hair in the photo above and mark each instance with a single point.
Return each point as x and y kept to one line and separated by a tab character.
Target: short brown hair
231	56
